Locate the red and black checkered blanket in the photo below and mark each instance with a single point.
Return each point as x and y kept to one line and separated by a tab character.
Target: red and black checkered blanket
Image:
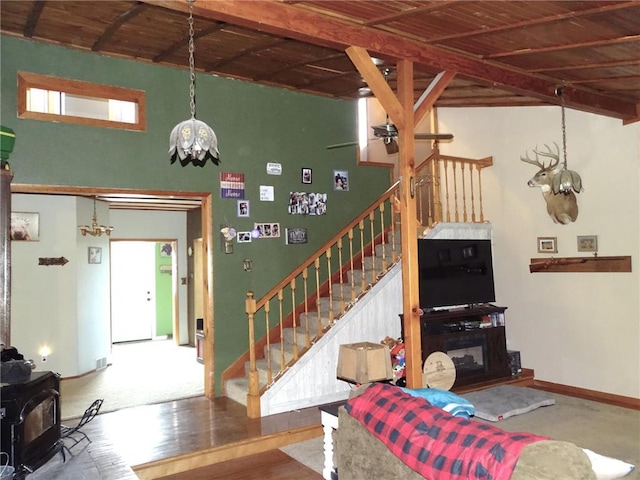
434	443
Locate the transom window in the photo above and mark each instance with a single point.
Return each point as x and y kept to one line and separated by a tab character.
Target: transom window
54	99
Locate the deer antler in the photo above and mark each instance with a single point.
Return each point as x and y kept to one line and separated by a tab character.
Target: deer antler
549	154
535	162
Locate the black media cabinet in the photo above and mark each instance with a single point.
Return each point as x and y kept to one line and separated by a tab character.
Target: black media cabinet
477	346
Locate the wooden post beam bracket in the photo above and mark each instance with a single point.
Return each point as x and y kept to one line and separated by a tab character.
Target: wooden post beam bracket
581	264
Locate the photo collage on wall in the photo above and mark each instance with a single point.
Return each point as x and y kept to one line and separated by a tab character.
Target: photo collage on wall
232	186
302	203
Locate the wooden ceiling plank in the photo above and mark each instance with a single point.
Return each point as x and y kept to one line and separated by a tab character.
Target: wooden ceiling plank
444	4
587	66
293	66
535	21
292	21
248	51
34	16
604	79
115	26
431	94
378	85
184	41
556	48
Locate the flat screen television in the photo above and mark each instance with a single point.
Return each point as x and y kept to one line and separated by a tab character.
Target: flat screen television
454	273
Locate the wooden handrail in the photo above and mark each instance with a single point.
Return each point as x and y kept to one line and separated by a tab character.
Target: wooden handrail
337	272
311	259
447	189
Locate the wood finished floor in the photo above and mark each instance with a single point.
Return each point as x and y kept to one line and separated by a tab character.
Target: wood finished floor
152	433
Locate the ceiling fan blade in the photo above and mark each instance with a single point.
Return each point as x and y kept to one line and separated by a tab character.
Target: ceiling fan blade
433	136
341	145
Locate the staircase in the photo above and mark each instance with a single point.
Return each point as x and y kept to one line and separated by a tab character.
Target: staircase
312	379
349	290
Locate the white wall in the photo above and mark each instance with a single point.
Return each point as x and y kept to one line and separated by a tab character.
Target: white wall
577	329
65	308
153	225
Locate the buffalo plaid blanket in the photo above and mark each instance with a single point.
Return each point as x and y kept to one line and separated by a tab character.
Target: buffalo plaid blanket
433	443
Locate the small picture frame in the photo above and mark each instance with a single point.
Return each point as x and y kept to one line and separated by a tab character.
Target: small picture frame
267	230
306	175
341	180
25	226
547	245
95	255
243	208
244	237
296	236
587	243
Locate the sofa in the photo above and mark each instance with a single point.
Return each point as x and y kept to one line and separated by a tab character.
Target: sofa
374	441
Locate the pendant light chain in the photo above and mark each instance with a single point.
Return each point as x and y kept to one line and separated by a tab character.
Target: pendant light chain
192	69
564	131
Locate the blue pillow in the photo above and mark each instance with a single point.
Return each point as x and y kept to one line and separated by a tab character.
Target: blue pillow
448	401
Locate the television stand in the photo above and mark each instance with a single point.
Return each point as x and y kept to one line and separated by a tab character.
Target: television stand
477	346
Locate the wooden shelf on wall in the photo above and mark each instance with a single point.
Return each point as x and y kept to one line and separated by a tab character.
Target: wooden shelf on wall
580	264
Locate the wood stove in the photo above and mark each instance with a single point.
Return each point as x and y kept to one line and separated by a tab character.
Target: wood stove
30	416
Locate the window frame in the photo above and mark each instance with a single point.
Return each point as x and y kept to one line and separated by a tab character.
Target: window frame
27	80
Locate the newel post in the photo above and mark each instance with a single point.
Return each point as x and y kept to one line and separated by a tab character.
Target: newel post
253	397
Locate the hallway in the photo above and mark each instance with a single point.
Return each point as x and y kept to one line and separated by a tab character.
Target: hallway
140	373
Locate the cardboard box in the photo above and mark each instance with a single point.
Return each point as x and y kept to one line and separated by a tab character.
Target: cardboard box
364	362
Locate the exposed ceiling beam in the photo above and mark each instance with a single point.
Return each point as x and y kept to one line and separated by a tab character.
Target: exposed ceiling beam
34	15
431	94
183	42
586	66
378	85
113	28
572	46
277	18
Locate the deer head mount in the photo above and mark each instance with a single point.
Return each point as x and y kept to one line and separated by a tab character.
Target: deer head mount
562	205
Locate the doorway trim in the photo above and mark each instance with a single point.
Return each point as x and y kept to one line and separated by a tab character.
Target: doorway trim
206	205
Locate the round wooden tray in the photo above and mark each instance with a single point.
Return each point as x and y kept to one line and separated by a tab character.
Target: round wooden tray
439	371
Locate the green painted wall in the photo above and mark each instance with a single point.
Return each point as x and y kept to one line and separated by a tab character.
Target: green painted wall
254	125
164	296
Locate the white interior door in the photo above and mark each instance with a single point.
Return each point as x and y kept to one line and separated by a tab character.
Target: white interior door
133	303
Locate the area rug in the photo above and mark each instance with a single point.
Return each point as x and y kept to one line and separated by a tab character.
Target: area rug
309	453
504	401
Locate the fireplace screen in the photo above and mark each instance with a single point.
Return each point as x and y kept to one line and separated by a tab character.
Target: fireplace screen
39	420
468	352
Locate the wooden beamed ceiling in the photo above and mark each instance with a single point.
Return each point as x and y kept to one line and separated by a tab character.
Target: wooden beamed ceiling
499	53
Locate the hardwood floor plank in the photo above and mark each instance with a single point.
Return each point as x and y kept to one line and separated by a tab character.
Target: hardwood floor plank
270	465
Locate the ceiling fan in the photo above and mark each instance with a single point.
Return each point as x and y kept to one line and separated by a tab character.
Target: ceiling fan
388	133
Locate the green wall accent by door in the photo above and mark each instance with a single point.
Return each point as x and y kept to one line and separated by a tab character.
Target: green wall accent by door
164	289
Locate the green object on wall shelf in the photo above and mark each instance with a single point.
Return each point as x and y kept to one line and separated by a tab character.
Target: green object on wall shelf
7	141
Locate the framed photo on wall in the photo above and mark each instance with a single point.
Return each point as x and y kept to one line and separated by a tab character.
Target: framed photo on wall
341	180
243	208
547	245
25	226
587	243
307	175
95	255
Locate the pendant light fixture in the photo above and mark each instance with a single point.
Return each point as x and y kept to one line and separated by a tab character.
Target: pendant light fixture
193	141
565	180
95	229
